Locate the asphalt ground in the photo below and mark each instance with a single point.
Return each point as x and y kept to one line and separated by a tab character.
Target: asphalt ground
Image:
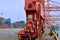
9	34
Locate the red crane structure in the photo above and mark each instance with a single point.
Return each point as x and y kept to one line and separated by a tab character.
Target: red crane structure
37	15
49	8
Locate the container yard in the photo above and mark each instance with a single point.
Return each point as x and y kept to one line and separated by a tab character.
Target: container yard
41	22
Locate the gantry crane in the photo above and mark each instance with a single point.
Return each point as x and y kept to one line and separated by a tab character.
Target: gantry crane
37	15
52	8
34	20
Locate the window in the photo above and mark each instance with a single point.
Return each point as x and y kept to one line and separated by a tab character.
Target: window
29	16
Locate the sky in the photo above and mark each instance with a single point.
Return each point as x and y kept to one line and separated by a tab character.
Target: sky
13	9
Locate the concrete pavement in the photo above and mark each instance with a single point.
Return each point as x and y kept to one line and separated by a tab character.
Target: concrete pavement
9	34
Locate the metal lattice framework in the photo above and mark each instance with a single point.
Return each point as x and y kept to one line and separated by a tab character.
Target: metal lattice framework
51	6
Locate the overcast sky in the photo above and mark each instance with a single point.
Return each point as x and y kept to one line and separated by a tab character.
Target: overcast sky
13	9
